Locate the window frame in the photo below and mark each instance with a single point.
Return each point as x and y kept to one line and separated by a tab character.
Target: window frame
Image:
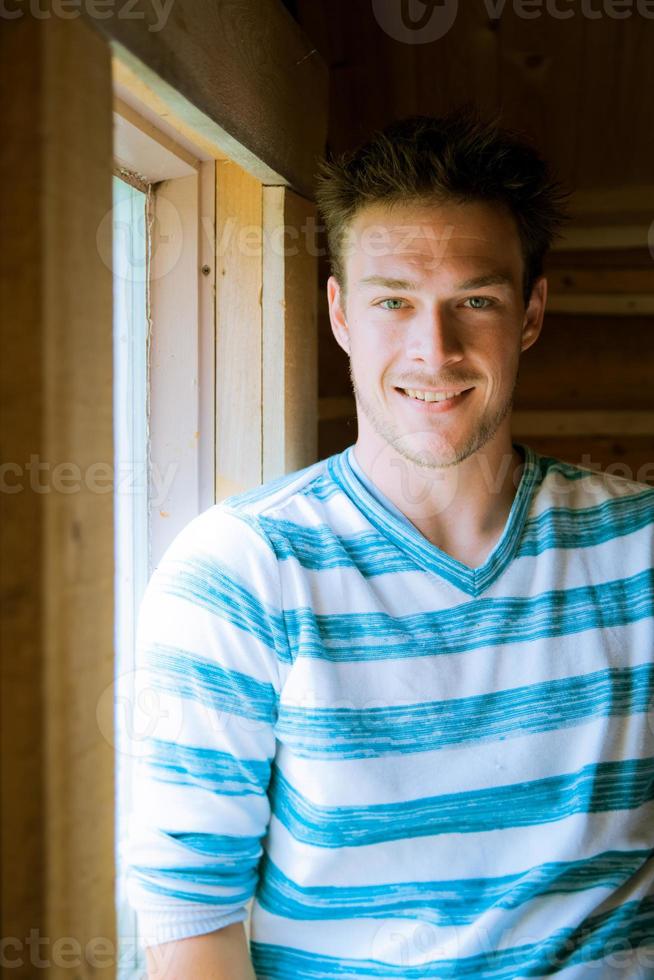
246	297
179	407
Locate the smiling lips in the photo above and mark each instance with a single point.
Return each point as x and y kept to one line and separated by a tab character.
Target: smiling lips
434	400
432	395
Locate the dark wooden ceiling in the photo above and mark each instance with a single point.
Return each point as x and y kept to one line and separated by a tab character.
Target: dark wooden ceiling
582	86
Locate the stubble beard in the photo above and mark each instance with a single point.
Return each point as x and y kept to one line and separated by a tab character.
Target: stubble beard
388	430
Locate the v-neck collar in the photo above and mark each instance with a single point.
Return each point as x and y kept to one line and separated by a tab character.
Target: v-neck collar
429	556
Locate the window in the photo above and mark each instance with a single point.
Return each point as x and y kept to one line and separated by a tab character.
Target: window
163	248
215	319
130	265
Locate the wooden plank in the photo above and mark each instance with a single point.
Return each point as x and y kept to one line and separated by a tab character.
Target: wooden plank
301	353
602	304
617	68
290	347
356	48
573	280
588	363
244	74
601	259
539	68
591	237
471	41
582	423
22	841
79	547
239	409
58	794
207	331
176	429
614	202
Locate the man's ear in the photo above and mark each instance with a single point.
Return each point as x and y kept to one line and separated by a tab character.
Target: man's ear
533	315
337	318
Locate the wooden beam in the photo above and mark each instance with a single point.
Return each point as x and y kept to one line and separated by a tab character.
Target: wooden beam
243	74
621	201
290	333
579	236
58	795
239	406
572	280
593	422
601	304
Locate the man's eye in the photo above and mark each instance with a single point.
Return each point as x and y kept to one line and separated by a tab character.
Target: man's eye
475	300
393	300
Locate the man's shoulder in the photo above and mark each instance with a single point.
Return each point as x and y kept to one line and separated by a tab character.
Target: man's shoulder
591	503
563	478
239	526
282	493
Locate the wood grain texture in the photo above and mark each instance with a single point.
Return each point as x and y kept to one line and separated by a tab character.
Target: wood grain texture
78	566
239	407
572	281
463	65
244	65
612	303
559	79
290	342
22	792
618	72
589	362
57	759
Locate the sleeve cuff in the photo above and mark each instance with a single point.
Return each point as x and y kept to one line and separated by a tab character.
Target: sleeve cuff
165	927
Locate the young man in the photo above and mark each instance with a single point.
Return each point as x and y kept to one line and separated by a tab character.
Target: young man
413	680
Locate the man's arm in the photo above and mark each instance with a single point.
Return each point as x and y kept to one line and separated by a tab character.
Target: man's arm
219	955
208	676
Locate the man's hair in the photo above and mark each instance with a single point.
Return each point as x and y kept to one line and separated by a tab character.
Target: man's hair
431	160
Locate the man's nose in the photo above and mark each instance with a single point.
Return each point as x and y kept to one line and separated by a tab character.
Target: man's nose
434	338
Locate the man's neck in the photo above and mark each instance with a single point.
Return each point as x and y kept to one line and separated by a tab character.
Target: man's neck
461	509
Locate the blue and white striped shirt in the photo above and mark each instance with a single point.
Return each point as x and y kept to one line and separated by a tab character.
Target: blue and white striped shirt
402	766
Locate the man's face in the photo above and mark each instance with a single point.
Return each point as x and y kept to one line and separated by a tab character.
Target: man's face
434	302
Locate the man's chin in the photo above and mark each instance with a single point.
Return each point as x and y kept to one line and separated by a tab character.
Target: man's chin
429	451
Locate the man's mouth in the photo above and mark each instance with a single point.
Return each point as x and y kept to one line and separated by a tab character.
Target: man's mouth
443	395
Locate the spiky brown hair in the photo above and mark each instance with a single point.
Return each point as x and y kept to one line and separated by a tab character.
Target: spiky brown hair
460	157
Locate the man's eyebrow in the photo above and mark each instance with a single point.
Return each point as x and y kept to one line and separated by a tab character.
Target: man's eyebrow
387	283
478	282
492	279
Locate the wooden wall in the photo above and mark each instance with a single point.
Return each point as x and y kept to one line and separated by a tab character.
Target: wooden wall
579	87
56	574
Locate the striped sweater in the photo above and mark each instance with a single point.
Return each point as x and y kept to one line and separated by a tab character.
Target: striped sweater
400	766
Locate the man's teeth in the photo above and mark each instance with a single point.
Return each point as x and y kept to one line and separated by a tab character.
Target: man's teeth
429	396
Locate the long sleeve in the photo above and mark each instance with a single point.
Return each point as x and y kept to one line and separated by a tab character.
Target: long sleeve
209	639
